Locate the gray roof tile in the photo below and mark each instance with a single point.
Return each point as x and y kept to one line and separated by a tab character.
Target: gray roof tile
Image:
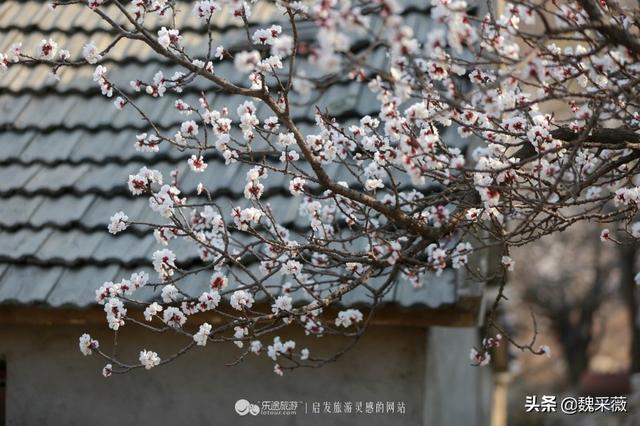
19	210
16	176
13	145
28	285
22	243
69	245
66	154
60	210
77	287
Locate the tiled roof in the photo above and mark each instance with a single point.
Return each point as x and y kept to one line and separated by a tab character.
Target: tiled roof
66	153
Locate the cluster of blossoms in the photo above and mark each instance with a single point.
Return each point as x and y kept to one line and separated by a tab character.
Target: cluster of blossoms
142	181
90	53
508	263
164	264
464	150
254	188
205	9
348	317
146	143
87	344
168	38
99	76
118	222
116	312
482	357
202	335
149	359
244	218
241	299
282	304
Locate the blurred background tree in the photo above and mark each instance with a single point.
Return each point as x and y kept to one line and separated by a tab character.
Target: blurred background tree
584	296
572	310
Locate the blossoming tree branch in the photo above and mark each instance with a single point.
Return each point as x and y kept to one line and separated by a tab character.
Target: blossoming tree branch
544	94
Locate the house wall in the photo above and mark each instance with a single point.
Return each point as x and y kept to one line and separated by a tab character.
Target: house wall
455	392
49	382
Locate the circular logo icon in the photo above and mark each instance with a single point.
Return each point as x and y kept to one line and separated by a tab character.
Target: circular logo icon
244	407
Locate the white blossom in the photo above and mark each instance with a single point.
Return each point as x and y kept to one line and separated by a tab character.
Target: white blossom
149	359
174	317
267	35
282	303
163	263
373	184
169	37
355	267
348	317
239	334
47	49
246	217
202	336
205	9
87	344
218	281
296	186
189	128
278	347
64	55
278	370
142	181
241	299
508	263
286	139
94	4
152	310
170	293
197	164
245	62
479	358
256	346
292	267
119	222
119	103
209	300
107	370
115	313
91	53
